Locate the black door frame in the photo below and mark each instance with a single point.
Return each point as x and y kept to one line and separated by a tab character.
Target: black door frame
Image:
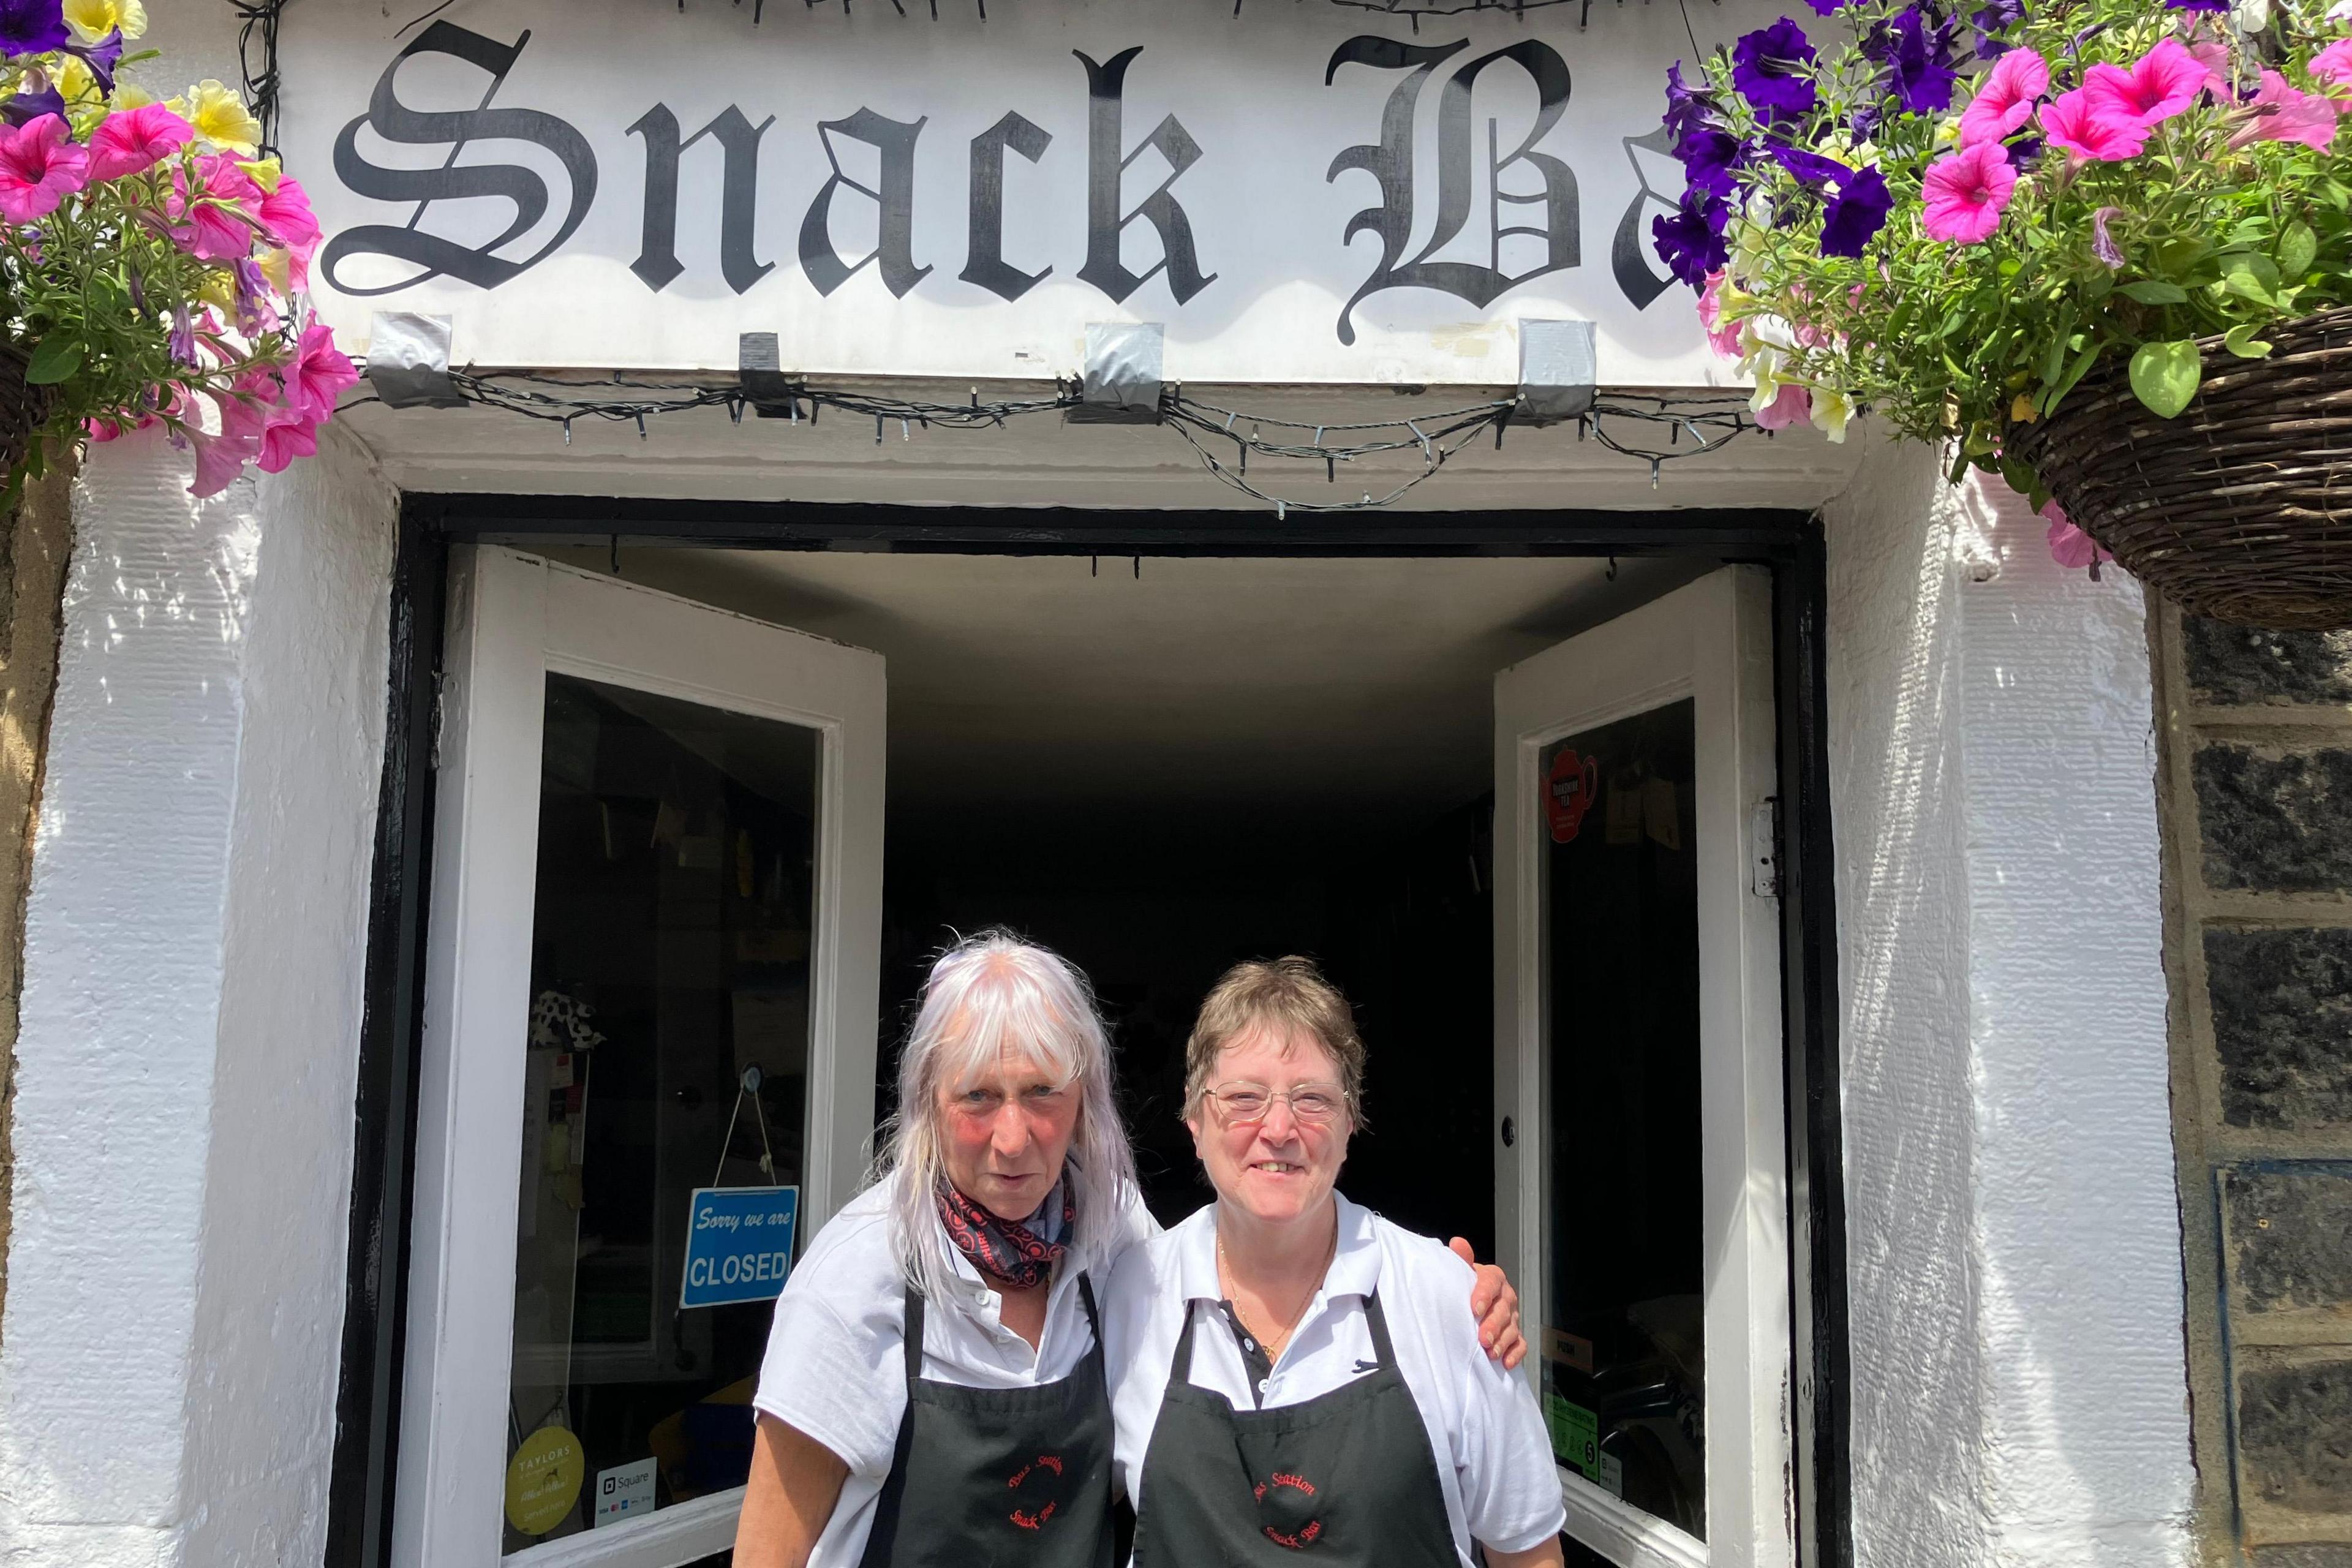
367	1404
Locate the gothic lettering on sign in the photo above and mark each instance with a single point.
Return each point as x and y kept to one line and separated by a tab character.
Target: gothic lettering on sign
893	204
479	265
1106	89
739	140
984	262
1628	256
1391	162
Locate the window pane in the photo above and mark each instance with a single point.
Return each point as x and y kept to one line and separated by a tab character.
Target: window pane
669	954
1624	1348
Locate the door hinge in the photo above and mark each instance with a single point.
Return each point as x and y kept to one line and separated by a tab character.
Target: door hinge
1764	848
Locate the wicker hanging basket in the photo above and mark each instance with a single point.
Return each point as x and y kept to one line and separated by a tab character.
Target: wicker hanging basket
2241	507
22	407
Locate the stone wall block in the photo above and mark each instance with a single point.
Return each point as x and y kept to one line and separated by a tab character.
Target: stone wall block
2304	1554
2290	1230
2238	666
2295	1432
2282	1025
2274	822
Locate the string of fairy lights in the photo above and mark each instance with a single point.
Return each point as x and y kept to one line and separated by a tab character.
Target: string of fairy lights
1224	440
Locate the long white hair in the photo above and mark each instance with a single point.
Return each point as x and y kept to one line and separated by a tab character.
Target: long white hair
990	995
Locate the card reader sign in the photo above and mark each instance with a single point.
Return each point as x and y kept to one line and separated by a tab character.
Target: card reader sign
738	1244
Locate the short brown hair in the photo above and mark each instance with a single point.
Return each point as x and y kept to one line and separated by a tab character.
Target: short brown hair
1288	995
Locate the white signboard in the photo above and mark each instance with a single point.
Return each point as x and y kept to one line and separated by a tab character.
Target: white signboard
1304	192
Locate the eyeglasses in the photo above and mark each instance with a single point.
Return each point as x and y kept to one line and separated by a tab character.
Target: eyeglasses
1242	1102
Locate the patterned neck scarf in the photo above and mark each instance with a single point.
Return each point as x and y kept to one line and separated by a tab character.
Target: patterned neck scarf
1017	1253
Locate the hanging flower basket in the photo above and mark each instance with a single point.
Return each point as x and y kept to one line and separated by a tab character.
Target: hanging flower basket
2240	507
2101	249
154	260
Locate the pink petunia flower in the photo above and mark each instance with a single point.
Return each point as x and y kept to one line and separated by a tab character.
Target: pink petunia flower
320	374
2166	81
1722	336
219	460
136	139
285	438
40	166
285	213
2215	58
2006	99
2279	113
2069	545
1964	195
217	223
2086	134
2334	63
1792	404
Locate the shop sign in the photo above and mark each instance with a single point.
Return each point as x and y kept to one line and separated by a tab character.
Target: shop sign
1302	191
739	1245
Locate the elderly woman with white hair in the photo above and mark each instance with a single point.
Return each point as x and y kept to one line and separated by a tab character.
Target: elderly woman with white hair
933	1392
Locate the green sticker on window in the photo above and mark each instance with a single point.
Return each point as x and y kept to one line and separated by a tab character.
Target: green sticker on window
1575	1435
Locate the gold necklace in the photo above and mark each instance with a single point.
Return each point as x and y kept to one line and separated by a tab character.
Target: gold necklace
1273	1342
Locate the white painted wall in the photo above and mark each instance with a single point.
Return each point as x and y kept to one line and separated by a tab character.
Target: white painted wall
186	1069
2019	1393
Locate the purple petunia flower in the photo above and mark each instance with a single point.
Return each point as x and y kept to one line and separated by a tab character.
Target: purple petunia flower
1690	241
1809	168
2024	152
101	57
1829	7
1991	19
1767	67
1708	159
1689	109
27	107
32	27
2216	5
183	337
2102	242
1917	59
1855	214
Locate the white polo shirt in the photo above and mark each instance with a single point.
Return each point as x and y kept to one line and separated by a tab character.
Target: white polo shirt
836	1370
1494	1458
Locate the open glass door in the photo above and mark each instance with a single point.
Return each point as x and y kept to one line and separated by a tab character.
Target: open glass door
1640	1178
647	1066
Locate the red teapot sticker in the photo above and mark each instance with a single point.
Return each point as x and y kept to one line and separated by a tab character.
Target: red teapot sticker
1570	790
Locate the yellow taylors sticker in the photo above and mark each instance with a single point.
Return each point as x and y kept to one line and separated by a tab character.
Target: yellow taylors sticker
543	1480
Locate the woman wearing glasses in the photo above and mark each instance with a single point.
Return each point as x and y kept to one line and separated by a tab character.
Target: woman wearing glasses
933	1392
1289	1370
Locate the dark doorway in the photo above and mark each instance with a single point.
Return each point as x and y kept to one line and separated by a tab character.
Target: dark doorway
1153	910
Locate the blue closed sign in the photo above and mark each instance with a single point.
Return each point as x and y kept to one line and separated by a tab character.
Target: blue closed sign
738	1244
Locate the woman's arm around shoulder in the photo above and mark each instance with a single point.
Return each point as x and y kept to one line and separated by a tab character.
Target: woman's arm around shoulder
795	1481
1545	1554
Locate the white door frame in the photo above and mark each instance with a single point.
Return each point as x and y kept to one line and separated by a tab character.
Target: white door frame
513	619
1710	641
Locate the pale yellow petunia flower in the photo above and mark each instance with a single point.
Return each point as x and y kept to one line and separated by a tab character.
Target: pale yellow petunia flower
265	172
220	117
93	20
130	95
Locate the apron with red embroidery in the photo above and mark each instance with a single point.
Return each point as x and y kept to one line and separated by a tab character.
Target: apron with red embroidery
1346	1479
994	1477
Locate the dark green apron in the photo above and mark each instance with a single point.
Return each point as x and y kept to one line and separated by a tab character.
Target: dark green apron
1347	1478
984	1476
